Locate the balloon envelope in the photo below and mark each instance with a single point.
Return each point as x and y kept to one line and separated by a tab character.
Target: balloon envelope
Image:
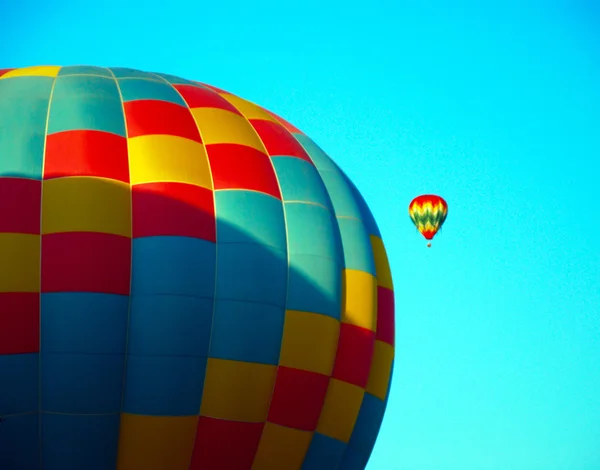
187	282
428	212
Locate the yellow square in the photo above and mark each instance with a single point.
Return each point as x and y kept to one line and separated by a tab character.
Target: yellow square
360	299
19	262
167	158
237	391
381	369
156	442
86	204
340	410
35	71
219	126
310	341
281	448
382	265
247	108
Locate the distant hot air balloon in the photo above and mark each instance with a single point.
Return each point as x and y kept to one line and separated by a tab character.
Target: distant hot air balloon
428	212
187	282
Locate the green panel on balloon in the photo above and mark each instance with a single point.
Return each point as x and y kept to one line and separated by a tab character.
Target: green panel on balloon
144	89
85	70
85	102
23	113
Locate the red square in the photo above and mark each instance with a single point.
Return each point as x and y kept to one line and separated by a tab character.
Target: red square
290	127
354	355
176	209
298	398
385	315
214	88
86	153
225	445
86	262
20	205
241	167
201	97
154	117
278	141
19	323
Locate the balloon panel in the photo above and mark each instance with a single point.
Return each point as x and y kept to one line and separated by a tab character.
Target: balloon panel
187	281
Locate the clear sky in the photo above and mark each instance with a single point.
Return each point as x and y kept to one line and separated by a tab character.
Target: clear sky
493	105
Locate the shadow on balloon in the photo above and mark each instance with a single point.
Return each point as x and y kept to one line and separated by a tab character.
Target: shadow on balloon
104	352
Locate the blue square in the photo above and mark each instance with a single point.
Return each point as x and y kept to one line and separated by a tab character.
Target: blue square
20	442
367	424
84	70
80	322
73	442
82	383
317	155
86	102
164	385
315	285
172	79
324	453
342	197
250	217
173	265
251	272
247	331
358	253
300	181
144	89
19	387
366	214
125	72
354	460
312	230
173	325
25	103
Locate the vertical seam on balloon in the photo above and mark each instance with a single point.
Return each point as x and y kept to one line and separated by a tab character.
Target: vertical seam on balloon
342	274
40	411
354	197
212	320
126	346
287	283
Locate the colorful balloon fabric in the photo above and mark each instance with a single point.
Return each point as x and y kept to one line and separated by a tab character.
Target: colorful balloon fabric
428	212
187	282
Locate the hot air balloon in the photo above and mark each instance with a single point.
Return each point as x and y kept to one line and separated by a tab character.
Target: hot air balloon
187	282
428	212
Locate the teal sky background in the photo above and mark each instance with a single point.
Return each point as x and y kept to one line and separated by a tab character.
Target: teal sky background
493	105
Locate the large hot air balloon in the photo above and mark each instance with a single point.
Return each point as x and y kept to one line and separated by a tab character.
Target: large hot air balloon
187	282
428	212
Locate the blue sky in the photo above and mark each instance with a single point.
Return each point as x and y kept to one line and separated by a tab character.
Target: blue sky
494	106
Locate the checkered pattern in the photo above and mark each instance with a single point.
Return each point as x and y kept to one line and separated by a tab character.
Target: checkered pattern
187	282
